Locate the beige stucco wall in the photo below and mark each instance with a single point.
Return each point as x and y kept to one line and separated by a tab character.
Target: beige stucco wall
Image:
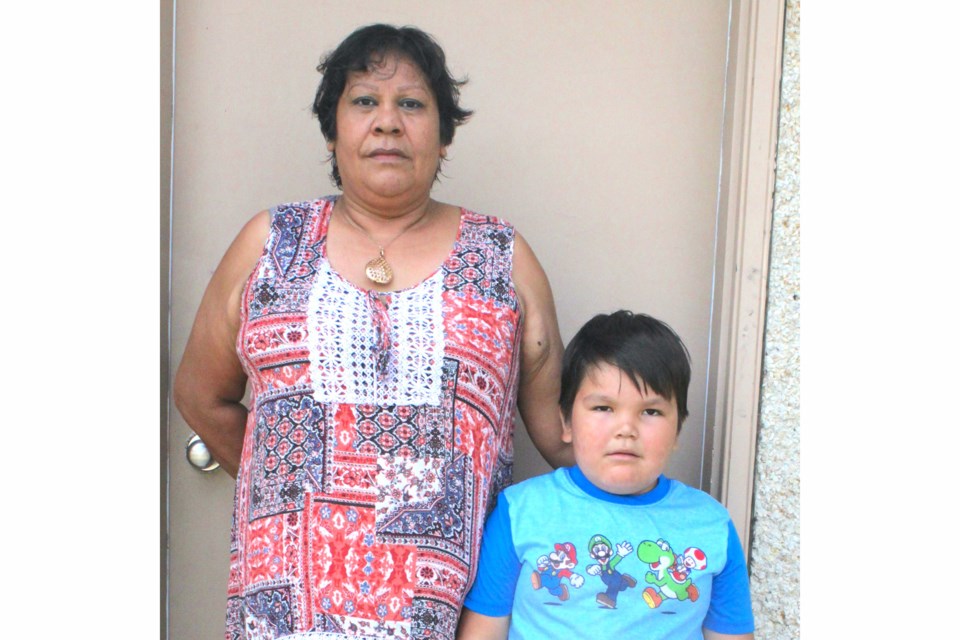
775	552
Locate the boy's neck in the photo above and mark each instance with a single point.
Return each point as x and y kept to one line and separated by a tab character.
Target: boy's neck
654	495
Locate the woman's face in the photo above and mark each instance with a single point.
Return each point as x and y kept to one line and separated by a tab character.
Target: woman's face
388	134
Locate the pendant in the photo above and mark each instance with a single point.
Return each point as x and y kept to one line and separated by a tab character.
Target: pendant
379	271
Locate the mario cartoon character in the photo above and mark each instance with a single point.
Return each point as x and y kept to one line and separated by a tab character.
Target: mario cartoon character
553	568
601	550
671	573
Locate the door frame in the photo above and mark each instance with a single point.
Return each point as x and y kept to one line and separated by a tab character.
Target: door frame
744	216
167	31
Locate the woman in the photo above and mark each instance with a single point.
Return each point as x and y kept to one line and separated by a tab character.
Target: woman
387	339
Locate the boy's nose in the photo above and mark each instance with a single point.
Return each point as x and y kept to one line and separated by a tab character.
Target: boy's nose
628	428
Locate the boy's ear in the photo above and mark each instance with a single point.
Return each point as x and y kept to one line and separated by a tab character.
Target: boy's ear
567	434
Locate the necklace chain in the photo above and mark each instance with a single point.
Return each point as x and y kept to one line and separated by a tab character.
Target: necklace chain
378	269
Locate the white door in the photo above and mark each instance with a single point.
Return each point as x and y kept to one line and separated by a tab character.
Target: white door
597	132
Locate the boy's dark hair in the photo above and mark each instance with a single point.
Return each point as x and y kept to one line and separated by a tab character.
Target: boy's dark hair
367	47
648	350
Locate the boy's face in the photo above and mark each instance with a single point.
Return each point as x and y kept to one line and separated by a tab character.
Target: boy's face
622	438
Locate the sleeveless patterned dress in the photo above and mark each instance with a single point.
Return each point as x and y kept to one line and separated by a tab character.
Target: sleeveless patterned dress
380	429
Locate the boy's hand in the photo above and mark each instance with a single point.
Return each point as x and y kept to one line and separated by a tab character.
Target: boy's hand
475	626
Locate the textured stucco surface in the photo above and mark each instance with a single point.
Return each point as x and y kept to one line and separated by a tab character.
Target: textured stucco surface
775	550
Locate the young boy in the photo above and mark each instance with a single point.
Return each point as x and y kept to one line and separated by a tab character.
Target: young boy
612	548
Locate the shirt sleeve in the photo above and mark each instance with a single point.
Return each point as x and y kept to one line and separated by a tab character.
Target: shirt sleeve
499	568
730	609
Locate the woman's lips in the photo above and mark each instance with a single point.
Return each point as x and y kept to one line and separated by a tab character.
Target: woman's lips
387	154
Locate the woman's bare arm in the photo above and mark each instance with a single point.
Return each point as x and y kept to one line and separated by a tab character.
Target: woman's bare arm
210	383
541	357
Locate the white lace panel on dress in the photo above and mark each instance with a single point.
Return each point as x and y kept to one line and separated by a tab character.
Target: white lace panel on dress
370	348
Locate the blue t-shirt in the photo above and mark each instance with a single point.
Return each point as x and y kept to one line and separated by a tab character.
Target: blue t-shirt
566	559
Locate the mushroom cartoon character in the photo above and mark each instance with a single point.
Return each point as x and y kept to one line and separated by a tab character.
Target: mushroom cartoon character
670	573
692	559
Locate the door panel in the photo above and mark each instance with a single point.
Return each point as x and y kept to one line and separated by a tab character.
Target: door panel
597	132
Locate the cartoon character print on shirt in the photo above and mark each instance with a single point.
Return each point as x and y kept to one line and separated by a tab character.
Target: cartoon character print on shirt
608	558
670	575
553	568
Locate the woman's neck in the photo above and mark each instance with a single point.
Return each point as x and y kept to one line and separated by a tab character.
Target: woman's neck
389	212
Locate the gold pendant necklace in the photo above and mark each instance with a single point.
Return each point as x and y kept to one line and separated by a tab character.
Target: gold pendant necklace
378	270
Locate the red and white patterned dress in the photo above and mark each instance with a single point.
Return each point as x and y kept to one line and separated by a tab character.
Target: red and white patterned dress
381	427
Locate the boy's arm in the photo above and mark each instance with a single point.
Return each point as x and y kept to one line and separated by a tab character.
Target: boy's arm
486	608
730	615
711	635
476	626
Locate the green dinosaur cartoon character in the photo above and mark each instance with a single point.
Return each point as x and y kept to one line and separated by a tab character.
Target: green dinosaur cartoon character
671	573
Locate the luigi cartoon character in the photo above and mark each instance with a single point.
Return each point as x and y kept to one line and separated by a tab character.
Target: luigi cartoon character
602	550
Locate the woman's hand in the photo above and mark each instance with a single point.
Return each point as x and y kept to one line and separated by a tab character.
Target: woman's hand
541	357
210	382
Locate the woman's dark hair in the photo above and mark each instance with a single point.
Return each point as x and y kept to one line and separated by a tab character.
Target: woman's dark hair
369	46
645	348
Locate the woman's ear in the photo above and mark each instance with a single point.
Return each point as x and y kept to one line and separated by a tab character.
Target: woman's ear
331	145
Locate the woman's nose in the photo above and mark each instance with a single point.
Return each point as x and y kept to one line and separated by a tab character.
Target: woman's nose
388	119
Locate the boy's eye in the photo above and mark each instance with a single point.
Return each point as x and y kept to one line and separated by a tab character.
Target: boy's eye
602	407
652	412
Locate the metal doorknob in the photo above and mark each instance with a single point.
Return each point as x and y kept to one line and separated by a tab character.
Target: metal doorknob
199	456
